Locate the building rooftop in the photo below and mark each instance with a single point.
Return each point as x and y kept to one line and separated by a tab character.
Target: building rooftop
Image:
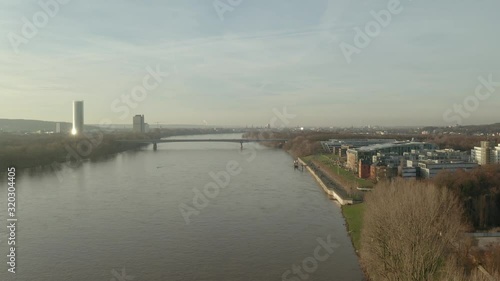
376	147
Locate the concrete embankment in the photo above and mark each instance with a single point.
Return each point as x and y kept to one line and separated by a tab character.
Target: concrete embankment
330	192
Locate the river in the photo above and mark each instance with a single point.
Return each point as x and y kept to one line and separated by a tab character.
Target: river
132	217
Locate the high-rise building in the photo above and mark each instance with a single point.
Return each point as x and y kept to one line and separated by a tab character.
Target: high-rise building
77	118
138	124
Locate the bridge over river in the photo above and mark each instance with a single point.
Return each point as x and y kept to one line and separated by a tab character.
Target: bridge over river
155	142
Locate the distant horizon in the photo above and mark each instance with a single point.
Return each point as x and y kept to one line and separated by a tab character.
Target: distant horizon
153	125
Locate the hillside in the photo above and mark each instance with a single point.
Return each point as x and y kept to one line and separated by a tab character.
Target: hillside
467	130
22	125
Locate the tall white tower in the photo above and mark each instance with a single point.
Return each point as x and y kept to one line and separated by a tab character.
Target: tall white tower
138	124
77	117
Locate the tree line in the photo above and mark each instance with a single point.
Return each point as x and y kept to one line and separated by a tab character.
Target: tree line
27	151
36	150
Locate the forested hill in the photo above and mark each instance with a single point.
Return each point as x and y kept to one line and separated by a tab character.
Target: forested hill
468	130
22	125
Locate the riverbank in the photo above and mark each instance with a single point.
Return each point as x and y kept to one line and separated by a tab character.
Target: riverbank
351	210
353	215
38	151
331	164
329	187
299	148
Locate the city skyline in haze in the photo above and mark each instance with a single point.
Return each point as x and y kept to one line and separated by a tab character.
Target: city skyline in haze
237	63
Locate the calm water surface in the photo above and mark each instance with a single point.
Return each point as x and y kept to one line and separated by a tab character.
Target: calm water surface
120	219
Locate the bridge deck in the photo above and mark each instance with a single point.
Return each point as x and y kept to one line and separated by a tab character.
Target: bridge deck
204	140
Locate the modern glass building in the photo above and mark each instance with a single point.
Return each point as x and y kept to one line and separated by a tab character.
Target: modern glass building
398	148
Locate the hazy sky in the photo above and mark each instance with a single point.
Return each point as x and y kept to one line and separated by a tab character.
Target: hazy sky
237	62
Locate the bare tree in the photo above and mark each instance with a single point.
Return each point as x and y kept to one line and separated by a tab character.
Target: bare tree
454	271
410	229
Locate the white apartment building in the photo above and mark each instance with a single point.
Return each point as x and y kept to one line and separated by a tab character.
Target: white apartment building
431	168
486	154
